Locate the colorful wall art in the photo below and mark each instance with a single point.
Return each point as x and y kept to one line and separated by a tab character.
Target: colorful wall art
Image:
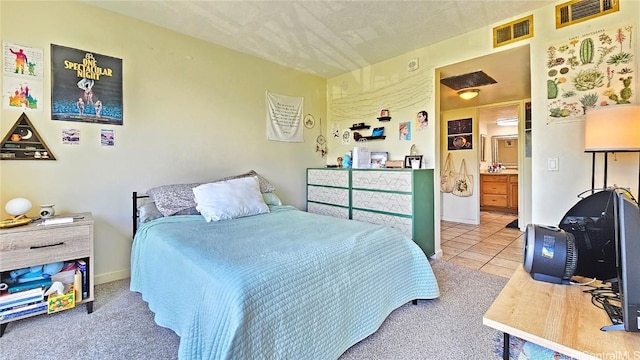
590	71
85	86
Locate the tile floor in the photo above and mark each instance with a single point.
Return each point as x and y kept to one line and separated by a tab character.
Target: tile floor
488	247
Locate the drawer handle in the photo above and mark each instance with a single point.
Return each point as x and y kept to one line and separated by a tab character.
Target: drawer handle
44	246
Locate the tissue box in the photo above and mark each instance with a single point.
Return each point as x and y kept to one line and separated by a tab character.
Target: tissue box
58	303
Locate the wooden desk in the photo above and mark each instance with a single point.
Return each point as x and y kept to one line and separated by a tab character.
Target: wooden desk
559	317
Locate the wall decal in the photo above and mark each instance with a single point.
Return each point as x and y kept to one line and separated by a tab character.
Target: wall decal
404	93
85	86
23	142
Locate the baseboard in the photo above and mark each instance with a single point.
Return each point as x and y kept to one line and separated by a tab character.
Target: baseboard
437	255
460	220
112	276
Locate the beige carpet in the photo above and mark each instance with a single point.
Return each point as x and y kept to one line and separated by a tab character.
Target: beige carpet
122	327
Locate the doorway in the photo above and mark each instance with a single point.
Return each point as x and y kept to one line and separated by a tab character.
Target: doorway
511	70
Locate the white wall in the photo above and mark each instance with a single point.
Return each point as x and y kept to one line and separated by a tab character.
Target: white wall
192	112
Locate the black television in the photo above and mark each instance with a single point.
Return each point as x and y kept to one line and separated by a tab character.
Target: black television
627	216
592	223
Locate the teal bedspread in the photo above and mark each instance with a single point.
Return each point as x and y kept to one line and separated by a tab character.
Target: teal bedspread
282	285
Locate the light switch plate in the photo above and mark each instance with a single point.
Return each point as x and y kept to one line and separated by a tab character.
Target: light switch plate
552	164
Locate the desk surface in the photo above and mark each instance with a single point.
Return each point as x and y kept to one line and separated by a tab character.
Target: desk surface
558	317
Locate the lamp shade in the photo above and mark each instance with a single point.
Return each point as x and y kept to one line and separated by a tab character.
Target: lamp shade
18	206
613	128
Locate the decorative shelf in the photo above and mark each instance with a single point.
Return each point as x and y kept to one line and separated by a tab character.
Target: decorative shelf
384	118
360	127
23	142
357	136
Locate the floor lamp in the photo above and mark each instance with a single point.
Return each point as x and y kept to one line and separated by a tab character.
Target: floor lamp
611	129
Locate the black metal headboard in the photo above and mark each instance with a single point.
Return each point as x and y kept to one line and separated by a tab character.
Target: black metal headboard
134	198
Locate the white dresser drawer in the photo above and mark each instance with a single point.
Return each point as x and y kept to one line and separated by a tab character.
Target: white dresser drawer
401	223
328	195
339	178
28	248
382	180
382	201
322	209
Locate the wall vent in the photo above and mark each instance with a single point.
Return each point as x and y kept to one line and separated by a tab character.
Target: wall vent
576	11
514	31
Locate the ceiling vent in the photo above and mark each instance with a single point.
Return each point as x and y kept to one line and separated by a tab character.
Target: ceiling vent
576	11
513	31
470	80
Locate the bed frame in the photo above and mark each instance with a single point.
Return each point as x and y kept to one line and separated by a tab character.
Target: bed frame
134	218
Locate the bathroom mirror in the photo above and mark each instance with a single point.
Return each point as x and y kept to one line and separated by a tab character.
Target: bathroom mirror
505	150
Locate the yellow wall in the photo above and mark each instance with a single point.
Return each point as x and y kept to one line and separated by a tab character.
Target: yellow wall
549	194
193	111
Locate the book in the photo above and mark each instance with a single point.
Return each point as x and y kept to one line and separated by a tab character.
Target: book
18	302
22	312
11	299
77	284
20	308
82	266
41	283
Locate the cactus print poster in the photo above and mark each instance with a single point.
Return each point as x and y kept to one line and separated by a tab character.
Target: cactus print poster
590	71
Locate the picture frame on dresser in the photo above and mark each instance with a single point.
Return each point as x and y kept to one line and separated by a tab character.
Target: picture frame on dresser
379	159
410	158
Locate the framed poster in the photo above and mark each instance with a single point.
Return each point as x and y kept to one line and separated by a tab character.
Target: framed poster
85	86
460	134
590	71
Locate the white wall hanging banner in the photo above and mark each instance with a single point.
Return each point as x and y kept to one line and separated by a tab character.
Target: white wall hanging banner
284	118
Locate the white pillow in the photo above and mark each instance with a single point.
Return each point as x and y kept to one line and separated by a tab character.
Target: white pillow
230	199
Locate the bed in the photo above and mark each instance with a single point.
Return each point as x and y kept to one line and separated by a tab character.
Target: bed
282	284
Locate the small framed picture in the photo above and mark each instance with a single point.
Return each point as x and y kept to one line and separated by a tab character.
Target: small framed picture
379	159
413	161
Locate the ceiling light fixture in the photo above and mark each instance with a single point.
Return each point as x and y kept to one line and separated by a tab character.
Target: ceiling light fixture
468	94
507	122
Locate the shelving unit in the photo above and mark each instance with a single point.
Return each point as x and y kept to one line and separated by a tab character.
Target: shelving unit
382	137
23	142
33	245
360	127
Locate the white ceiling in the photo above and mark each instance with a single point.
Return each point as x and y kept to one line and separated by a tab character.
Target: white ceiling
322	37
329	38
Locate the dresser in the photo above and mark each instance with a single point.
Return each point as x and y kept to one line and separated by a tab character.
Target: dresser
499	192
401	198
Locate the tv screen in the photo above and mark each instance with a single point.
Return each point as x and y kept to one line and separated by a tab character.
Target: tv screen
628	260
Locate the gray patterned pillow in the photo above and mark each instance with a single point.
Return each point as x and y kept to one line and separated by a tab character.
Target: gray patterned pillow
170	199
265	185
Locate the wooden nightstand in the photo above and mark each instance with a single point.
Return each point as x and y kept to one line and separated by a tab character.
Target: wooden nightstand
33	245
